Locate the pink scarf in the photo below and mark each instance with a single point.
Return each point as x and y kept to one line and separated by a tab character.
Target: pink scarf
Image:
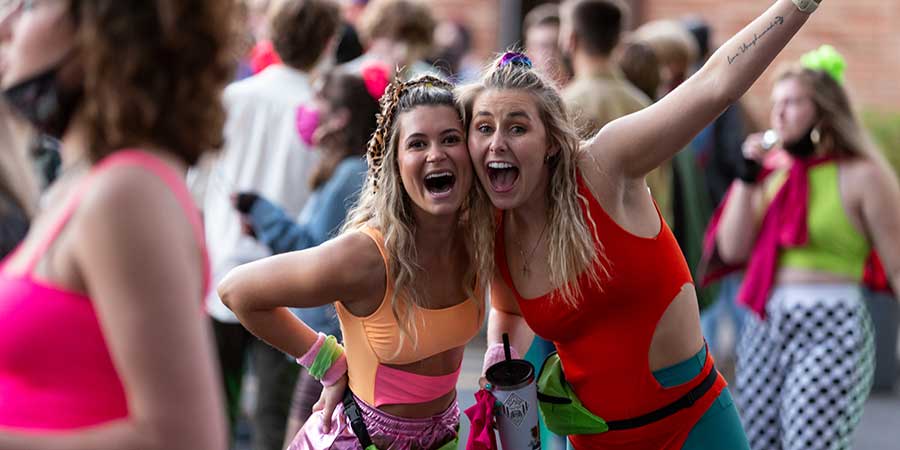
783	226
481	416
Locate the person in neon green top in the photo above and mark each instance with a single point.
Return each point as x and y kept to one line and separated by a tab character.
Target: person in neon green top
805	359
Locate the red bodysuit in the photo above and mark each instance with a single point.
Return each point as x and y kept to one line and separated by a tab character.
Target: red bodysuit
604	343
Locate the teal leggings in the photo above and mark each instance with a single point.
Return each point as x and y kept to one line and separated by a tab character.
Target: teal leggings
720	427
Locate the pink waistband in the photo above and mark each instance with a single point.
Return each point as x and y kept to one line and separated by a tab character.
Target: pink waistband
398	387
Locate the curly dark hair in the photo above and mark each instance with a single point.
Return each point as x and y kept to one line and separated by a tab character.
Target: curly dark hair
154	71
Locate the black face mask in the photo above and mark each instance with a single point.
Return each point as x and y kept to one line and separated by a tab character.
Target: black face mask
44	102
803	147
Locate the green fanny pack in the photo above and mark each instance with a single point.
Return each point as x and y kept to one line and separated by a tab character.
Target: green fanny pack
561	409
564	414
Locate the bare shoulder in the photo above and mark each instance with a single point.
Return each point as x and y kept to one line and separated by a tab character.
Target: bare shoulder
359	262
597	172
861	175
134	240
359	248
862	167
134	196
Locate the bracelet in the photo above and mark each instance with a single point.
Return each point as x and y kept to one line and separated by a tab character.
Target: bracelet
807	6
335	372
325	360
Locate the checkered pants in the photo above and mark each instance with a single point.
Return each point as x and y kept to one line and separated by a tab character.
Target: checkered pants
804	373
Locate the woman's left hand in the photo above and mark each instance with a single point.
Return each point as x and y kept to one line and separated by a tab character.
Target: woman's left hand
331	397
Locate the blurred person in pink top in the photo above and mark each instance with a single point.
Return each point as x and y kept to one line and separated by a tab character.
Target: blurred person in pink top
103	345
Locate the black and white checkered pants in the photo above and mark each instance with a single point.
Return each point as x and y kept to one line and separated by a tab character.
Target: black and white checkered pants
804	373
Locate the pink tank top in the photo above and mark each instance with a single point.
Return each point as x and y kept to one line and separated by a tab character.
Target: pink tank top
56	372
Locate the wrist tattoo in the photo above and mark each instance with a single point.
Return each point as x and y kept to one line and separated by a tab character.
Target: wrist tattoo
747	46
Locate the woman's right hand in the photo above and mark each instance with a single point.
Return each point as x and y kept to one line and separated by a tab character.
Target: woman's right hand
754	147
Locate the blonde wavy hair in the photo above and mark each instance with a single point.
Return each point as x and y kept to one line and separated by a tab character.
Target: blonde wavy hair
575	249
385	206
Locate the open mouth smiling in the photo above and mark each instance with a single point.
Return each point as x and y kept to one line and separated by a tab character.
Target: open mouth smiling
440	183
502	175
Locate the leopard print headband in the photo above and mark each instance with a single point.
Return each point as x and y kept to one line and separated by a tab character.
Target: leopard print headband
385	120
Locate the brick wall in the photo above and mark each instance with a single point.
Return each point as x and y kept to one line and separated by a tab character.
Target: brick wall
866	32
481	16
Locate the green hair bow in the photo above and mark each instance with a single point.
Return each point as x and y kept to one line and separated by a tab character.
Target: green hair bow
828	60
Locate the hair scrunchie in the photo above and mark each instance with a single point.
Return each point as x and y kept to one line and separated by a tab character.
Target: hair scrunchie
826	59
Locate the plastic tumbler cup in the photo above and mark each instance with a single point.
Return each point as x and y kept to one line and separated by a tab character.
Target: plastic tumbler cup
517	412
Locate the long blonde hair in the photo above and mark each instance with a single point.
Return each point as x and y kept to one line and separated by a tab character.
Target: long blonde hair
574	246
385	206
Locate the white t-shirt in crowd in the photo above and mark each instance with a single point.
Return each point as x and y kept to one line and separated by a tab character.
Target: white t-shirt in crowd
262	153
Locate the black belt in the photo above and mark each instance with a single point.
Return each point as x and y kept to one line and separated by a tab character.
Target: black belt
351	409
685	401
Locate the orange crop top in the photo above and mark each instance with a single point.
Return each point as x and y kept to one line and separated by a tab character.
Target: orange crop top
371	342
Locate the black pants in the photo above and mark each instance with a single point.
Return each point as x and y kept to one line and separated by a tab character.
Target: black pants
276	375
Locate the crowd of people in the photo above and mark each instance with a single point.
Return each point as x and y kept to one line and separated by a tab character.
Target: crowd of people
337	197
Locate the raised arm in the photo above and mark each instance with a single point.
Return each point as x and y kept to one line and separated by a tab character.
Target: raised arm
638	143
348	268
739	225
744	206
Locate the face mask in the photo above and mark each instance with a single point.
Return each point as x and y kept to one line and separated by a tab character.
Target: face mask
307	122
803	147
44	102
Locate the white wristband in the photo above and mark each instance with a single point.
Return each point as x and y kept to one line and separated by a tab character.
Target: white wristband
807	6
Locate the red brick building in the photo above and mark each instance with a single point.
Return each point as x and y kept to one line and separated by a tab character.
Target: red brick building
867	32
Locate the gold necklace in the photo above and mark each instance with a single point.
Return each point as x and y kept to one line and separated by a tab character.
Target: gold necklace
525	258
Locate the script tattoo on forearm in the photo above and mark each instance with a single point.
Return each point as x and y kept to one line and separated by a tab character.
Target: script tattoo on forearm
746	46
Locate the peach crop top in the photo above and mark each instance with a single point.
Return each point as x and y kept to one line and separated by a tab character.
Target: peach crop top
371	342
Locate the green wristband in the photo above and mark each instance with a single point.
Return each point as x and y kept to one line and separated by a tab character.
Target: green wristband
325	358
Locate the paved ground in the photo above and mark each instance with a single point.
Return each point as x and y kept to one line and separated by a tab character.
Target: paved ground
879	430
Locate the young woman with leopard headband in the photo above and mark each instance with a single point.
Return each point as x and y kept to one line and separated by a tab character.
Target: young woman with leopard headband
584	258
406	276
